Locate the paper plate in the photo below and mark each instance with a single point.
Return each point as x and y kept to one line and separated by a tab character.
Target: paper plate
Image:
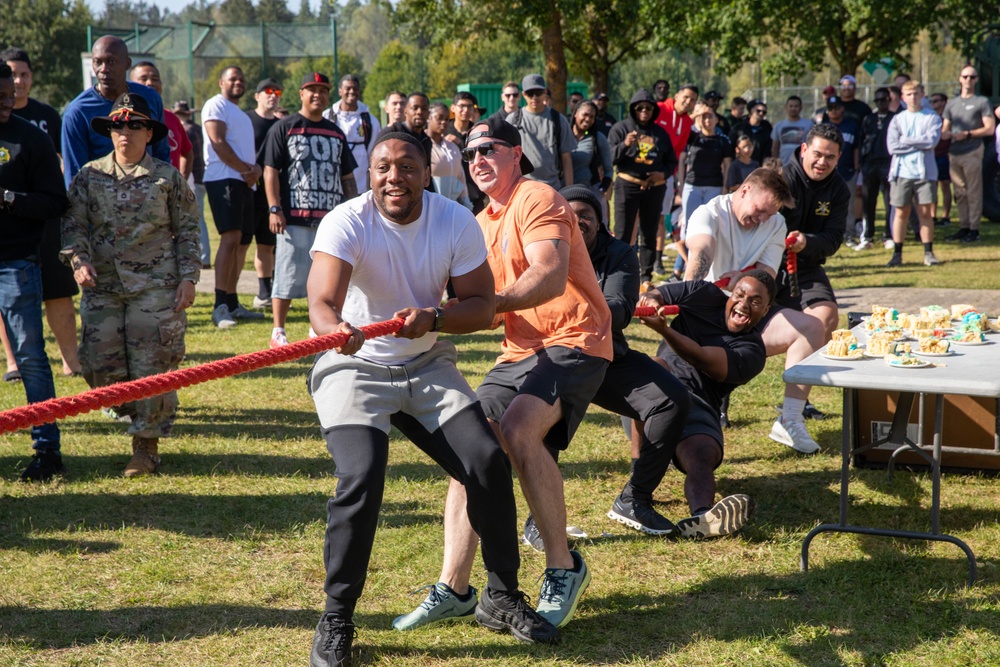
920	364
852	357
934	354
974	342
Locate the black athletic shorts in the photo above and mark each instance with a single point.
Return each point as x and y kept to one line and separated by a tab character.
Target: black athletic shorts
261	221
814	287
57	278
553	372
702	420
231	202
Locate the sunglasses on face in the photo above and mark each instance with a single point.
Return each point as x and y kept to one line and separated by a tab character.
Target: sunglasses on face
970	76
272	91
886	99
762	112
510	94
486	149
130	124
644	108
534	93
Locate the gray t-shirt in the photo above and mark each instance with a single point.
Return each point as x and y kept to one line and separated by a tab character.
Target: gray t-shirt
789	134
965	114
539	144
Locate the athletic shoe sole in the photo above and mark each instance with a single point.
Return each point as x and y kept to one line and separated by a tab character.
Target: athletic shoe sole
632	523
725	518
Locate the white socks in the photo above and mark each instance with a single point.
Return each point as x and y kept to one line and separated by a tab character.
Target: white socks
792	409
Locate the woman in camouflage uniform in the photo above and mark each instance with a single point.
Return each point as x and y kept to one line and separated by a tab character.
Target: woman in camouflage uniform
131	236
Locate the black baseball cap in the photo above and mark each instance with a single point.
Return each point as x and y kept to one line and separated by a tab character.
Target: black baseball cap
268	83
712	95
498	128
315	79
834	101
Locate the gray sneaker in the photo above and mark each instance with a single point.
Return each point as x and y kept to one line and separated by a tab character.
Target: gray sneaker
222	318
724	518
263	304
532	537
441	604
562	590
242	313
930	259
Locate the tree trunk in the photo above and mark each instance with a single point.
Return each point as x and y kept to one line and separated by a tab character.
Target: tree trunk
601	76
555	58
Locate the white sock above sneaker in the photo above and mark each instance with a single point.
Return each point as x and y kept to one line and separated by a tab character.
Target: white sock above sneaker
792	409
277	330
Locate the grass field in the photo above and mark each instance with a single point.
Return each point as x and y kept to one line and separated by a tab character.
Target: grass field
218	560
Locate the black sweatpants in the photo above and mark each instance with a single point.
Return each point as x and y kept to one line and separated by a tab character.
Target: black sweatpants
637	387
467	450
875	181
629	200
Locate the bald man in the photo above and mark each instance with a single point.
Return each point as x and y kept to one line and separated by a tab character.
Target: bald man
80	143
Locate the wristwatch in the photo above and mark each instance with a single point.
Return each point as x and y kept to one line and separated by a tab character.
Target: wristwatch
438	319
8	198
274	209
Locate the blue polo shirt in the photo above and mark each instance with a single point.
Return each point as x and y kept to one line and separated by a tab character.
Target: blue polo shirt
80	144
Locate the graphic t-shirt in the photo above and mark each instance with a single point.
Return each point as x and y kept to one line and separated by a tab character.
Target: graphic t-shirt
398	266
790	134
311	157
45	118
579	317
177	138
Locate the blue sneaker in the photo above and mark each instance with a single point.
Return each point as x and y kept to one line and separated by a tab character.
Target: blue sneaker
441	604
562	590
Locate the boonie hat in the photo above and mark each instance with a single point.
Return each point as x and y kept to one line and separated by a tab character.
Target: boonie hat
532	82
268	83
129	106
498	128
315	79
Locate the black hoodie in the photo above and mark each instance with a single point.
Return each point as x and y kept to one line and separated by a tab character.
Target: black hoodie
820	211
653	150
617	270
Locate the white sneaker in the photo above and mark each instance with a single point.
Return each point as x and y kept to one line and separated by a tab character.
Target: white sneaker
889	244
222	318
930	259
863	244
260	303
795	435
278	339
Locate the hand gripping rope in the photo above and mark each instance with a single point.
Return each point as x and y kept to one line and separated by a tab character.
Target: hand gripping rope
792	266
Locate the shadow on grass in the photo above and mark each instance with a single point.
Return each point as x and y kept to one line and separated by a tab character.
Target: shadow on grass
219	516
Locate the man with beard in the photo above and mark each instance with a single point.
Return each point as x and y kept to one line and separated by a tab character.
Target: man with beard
231	171
308	171
355	120
415	115
80	143
386	254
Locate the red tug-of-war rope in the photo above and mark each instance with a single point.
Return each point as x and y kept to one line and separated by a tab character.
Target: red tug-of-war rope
54	409
792	266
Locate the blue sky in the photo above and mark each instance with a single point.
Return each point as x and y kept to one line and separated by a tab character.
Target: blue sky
97	6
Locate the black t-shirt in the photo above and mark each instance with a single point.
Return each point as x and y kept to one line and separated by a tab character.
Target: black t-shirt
45	118
703	320
857	110
760	135
261	126
704	159
311	157
198	151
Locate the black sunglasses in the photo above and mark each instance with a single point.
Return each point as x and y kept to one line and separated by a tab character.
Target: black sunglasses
130	124
534	93
485	149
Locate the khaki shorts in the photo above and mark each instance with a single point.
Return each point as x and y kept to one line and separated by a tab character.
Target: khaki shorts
903	190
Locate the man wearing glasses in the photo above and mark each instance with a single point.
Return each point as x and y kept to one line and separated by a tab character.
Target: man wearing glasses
268	97
463	108
509	97
758	129
546	136
967	120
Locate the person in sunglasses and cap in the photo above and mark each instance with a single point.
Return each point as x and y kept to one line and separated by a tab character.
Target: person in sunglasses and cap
131	236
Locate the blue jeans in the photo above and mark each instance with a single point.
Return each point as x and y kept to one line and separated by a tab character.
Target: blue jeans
21	310
693	196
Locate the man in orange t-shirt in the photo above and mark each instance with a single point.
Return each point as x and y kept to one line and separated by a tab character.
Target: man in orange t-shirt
556	348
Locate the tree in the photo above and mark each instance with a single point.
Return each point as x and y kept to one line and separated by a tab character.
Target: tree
364	30
125	13
273	11
236	12
394	69
305	14
54	33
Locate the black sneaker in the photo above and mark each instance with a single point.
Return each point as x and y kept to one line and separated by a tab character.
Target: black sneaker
959	235
897	260
532	537
42	467
812	412
641	516
971	237
505	611
332	642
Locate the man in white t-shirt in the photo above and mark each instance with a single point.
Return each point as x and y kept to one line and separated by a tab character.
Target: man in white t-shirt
745	230
388	254
231	172
355	120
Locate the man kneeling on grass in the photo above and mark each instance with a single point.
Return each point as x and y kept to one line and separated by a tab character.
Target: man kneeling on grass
713	347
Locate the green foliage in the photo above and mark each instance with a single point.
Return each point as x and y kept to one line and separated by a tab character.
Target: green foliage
296	69
209	86
54	33
274	11
395	69
236	12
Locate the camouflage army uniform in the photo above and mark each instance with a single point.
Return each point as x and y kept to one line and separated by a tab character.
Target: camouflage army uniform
141	234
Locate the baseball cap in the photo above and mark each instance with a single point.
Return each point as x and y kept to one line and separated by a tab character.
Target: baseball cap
834	101
532	82
712	95
182	108
849	78
498	128
601	96
315	79
829	90
269	83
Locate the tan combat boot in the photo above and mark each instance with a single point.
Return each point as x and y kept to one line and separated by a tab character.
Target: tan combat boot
144	457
